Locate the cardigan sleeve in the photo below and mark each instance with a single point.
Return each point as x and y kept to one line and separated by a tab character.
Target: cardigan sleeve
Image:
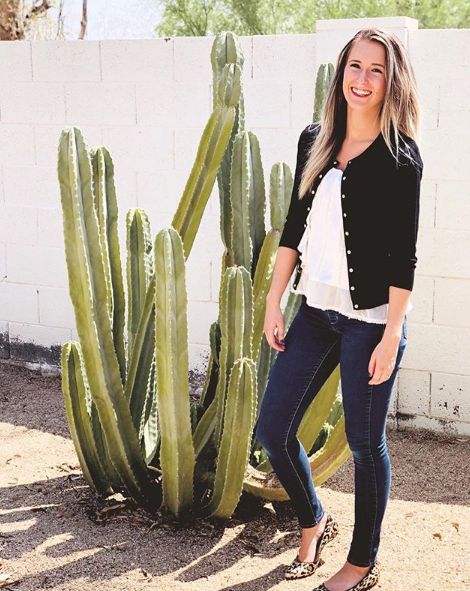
294	223
404	227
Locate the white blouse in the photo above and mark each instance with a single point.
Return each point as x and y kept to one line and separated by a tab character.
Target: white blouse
324	279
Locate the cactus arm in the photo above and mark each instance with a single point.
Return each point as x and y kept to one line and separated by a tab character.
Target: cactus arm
117	282
236	325
139	269
209	155
319	410
141	357
78	420
257	201
235	442
261	285
323	464
177	457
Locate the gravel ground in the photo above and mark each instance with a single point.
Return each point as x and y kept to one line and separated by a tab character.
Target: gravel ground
54	534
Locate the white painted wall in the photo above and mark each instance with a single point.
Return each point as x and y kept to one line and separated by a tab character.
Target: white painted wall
148	101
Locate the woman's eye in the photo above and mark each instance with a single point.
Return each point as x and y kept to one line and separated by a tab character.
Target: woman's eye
375	69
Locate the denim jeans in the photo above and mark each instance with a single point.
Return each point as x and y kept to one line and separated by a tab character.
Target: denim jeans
317	340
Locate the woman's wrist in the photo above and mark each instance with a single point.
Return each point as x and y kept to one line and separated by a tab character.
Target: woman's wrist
273	298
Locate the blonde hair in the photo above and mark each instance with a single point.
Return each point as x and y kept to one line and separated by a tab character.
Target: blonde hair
399	113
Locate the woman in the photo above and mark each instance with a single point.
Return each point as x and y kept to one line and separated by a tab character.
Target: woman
353	219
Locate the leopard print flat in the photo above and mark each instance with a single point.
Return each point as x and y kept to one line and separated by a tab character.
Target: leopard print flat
370	579
304	568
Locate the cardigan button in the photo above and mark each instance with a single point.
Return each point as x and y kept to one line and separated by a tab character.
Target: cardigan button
349	252
352	288
343	196
356	306
321	175
308	208
305	225
344	215
347	233
344	178
351	270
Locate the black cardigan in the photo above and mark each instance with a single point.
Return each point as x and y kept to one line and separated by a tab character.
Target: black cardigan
380	205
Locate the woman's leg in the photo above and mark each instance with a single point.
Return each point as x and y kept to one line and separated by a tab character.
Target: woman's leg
311	354
365	410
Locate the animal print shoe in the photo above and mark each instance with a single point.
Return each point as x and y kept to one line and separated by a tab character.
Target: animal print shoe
370	579
304	568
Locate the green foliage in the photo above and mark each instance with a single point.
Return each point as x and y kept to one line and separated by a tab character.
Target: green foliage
270	17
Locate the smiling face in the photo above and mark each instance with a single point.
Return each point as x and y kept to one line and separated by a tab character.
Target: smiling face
365	70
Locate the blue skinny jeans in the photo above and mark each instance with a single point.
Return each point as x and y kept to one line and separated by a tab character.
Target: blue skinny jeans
317	340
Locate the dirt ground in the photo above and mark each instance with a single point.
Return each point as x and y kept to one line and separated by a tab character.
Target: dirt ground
54	534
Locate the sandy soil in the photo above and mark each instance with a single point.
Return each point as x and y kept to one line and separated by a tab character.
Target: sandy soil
55	535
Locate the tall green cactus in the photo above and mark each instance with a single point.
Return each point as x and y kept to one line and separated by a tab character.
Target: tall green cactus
90	295
177	457
127	399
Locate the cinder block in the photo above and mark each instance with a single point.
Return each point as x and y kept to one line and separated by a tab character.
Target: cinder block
192	58
59	61
422	299
31	186
198	280
37	265
47	139
453	205
276	145
277	57
200	317
450	396
208	244
50	227
438	348
174	104
443	252
18	225
427	203
3	261
456	115
198	362
414	391
38	337
160	191
4	340
90	103
15	61
302	91
126	191
267	103
55	307
26	102
451	301
140	147
445	164
19	302
216	277
186	145
137	60
453	428
16	144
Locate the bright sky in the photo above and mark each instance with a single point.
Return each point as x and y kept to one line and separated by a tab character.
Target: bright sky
112	19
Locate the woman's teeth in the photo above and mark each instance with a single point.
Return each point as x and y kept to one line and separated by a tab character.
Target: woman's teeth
360	92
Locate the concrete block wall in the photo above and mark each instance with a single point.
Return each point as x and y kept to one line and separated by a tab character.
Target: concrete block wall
147	101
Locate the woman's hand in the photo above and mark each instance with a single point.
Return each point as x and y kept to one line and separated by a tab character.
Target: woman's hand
383	359
274	325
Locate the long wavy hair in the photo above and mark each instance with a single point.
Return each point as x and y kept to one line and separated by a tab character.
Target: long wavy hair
399	112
